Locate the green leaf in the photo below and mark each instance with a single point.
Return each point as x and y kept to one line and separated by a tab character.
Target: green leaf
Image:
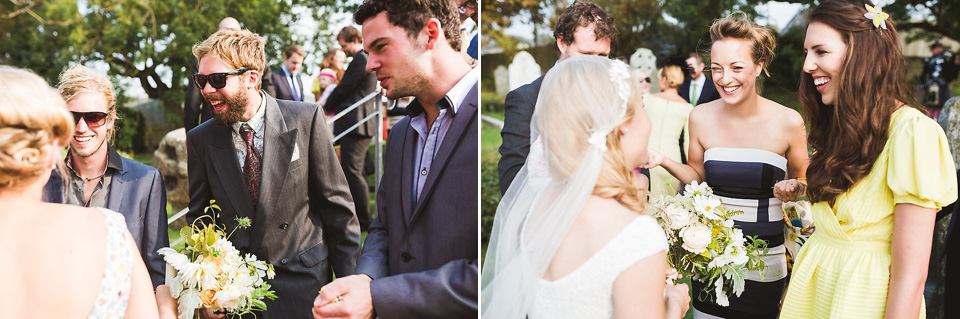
738	274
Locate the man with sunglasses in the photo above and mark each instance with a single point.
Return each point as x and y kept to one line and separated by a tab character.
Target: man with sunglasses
272	161
97	176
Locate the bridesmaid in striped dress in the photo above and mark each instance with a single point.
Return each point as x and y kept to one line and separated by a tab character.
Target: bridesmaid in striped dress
745	147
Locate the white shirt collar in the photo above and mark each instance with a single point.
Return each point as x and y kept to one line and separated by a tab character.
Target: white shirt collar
459	91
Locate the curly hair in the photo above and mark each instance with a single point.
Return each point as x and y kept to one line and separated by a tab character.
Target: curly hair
32	118
737	26
848	136
583	14
412	15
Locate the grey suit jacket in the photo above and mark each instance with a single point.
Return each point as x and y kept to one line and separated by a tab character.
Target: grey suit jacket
519	105
423	255
304	223
356	84
137	193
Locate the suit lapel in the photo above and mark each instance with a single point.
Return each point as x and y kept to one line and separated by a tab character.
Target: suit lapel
278	145
223	159
117	186
451	140
407	169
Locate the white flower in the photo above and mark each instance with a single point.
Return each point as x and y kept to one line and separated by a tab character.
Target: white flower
727	223
677	216
707	206
599	140
696	188
229	297
721	296
696	238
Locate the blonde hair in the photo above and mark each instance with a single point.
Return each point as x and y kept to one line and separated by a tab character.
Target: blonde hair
237	49
32	118
674	75
565	123
737	26
78	80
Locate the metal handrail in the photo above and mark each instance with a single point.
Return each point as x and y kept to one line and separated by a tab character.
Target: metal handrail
352	107
379	146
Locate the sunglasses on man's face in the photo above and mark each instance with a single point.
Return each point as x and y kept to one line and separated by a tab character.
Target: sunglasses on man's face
217	80
93	119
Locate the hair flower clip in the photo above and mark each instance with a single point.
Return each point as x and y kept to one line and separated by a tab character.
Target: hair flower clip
877	15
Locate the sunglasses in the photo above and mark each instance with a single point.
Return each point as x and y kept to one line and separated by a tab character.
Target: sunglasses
217	80
93	119
647	79
469	4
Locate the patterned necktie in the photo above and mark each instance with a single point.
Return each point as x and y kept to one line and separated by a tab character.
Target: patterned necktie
251	164
693	94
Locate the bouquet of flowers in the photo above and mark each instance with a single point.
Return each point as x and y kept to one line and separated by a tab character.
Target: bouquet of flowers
209	272
703	242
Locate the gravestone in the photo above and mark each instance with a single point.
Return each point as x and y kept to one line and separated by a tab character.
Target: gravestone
644	60
524	69
502	80
170	159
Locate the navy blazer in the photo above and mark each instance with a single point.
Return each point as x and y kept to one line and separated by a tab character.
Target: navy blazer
422	255
709	92
281	84
137	193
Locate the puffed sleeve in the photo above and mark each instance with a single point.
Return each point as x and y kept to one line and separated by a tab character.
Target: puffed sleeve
920	169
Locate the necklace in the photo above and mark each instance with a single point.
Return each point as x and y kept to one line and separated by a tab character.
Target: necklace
85	179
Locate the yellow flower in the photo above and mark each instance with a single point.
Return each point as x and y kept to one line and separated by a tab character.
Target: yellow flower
877	15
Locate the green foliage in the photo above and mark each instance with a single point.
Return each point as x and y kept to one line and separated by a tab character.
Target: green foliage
939	18
489	198
491	103
786	68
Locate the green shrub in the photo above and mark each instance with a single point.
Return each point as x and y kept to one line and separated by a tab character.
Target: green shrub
491	102
489	199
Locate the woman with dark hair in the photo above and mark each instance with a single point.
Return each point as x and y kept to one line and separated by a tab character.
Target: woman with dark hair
753	153
880	171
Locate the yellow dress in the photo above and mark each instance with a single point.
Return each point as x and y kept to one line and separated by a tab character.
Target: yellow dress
668	119
843	271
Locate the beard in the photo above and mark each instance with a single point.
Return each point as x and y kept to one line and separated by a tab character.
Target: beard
416	83
236	106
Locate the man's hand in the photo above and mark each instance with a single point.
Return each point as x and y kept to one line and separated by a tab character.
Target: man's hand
347	297
214	314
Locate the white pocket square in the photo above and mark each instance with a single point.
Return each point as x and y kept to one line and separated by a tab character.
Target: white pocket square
296	153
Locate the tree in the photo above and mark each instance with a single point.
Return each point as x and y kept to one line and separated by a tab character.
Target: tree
941	17
147	40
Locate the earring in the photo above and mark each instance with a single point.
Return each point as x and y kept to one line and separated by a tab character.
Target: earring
625	130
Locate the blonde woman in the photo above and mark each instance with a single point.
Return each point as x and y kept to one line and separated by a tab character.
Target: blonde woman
753	152
59	261
571	238
668	114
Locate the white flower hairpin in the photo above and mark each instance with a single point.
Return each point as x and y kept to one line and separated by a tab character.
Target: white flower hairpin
877	15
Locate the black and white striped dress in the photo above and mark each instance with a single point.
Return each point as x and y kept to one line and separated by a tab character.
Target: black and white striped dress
743	178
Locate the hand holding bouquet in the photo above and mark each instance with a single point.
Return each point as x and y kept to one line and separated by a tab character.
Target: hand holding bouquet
209	272
703	242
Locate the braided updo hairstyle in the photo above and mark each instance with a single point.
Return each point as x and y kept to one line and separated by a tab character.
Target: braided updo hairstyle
32	118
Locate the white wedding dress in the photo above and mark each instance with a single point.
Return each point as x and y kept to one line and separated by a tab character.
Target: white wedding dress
587	292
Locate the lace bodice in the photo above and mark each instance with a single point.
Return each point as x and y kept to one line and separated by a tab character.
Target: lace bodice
587	292
114	291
